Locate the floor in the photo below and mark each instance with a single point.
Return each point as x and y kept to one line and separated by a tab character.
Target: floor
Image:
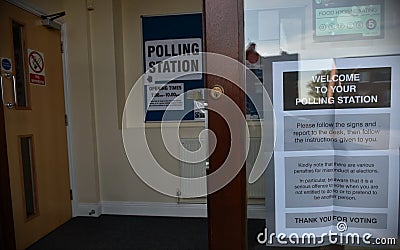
109	232
112	232
127	232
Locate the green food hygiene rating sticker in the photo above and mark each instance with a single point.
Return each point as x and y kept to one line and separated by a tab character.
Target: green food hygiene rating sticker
352	20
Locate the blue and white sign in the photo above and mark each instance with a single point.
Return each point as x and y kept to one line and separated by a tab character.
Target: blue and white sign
6	64
173	65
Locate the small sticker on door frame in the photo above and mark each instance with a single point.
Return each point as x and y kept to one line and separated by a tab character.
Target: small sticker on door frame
6	64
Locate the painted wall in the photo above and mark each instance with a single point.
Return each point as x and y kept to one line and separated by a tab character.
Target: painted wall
118	182
104	61
80	99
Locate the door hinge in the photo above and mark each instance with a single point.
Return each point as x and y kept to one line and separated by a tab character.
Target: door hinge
70	195
66	120
62	47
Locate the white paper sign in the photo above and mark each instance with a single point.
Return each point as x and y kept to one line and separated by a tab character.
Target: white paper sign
337	151
165	96
173	59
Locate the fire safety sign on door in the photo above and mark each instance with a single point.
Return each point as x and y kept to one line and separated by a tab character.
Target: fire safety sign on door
37	73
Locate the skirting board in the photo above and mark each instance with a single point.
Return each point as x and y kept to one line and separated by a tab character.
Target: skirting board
156	209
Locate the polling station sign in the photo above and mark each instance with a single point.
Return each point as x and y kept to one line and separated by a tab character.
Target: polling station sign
336	157
338	88
184	59
173	65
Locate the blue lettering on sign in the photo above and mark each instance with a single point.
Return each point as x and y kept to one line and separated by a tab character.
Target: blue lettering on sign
6	64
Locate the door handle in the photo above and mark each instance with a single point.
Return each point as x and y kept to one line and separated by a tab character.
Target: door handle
11	105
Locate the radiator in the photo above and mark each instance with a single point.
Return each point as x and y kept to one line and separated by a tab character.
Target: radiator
191	170
257	189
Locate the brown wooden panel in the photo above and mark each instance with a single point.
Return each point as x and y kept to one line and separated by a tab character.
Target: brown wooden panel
227	208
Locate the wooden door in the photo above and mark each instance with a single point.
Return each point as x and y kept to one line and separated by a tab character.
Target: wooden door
34	119
227	208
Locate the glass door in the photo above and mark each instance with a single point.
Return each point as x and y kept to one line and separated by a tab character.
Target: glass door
330	69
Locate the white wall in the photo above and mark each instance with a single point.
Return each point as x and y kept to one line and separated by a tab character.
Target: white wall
104	60
118	182
80	102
